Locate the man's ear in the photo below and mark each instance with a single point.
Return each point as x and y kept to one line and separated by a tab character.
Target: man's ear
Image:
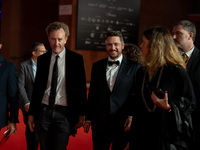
34	53
191	35
66	38
123	45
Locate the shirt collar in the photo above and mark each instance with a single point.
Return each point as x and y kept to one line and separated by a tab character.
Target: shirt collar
118	59
33	62
61	55
189	53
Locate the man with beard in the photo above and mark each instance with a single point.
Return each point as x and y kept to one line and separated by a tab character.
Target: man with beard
111	81
184	33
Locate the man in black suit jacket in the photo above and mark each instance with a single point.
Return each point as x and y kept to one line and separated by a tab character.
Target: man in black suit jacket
184	33
26	79
8	95
55	119
107	100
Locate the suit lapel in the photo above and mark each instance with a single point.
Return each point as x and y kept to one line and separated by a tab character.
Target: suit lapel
102	70
122	71
30	69
67	62
44	61
192	61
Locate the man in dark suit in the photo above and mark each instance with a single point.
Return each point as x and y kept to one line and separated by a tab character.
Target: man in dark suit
59	92
184	33
26	78
111	81
8	95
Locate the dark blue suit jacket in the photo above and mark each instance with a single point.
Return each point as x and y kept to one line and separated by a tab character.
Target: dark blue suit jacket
8	93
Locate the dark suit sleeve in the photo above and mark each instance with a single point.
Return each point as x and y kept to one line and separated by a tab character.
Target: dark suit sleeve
90	97
82	90
41	78
91	103
132	102
188	90
75	86
12	92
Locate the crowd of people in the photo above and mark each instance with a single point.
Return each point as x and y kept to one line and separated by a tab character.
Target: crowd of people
140	97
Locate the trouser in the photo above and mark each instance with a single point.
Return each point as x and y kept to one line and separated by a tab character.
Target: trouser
109	134
32	138
53	128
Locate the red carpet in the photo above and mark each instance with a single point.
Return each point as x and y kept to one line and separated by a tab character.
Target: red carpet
17	141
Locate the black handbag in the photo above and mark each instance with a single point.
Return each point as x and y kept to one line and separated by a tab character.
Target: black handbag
181	109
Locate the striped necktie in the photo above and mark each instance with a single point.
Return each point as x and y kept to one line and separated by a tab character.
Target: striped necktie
185	57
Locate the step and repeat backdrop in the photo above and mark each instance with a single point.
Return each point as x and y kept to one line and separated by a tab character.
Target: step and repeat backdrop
97	17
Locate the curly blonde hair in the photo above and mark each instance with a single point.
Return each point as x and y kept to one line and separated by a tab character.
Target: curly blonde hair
162	51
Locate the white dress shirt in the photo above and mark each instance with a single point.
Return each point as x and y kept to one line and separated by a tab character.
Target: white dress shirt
112	71
61	96
189	53
34	67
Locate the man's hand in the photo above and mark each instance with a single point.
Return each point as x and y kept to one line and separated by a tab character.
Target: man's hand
127	147
31	123
127	124
87	126
12	127
27	107
80	123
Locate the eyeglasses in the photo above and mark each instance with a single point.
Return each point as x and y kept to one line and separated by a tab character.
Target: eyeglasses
43	51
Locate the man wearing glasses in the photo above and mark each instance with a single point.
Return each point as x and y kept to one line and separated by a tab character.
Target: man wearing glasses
27	72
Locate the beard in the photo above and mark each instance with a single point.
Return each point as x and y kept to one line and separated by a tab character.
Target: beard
113	54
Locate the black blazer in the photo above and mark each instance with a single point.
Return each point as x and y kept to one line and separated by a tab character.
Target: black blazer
101	101
8	93
75	84
193	69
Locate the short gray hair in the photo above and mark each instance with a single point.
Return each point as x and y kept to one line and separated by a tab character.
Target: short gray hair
188	26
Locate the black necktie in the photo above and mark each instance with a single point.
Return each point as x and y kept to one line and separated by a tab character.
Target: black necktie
54	83
110	63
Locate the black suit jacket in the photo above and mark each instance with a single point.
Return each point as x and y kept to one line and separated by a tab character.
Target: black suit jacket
193	69
8	93
25	82
75	84
101	101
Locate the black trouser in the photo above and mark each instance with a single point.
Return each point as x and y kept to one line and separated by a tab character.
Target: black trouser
53	128
32	138
111	132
